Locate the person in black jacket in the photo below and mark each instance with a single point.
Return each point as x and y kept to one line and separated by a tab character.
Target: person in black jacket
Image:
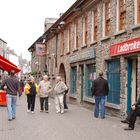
135	112
100	90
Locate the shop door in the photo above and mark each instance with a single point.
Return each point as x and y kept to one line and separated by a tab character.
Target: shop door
82	80
131	83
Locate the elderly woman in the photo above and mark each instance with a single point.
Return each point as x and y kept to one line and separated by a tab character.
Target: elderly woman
59	91
44	91
31	89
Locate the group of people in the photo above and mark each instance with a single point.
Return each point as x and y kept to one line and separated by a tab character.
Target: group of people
43	90
14	87
100	90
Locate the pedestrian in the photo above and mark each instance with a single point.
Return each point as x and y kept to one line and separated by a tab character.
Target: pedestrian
44	91
100	91
31	89
59	91
65	98
135	112
12	89
21	86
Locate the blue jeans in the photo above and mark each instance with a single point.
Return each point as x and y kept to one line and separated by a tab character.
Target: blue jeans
99	100
11	106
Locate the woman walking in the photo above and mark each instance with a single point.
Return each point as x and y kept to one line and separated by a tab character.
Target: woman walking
31	89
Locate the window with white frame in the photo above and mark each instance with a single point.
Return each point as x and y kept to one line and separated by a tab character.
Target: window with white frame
106	18
76	35
121	15
62	43
94	27
68	39
137	11
85	30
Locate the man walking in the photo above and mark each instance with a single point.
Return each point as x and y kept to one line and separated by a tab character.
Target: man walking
44	91
59	91
12	88
100	90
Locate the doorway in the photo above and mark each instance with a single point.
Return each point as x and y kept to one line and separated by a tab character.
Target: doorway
82	80
131	83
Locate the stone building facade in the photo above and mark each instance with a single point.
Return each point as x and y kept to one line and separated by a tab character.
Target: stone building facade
93	36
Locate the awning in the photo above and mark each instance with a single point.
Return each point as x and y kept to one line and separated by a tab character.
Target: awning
7	65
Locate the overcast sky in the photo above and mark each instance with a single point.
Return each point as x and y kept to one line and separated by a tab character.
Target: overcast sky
22	21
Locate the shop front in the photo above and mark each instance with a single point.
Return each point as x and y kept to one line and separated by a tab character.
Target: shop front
82	73
127	85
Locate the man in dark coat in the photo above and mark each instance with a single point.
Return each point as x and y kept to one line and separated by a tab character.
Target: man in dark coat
100	90
135	111
12	90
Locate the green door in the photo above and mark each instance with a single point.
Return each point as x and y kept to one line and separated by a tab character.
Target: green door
82	80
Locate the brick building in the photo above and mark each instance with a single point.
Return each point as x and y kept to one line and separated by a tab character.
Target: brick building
94	35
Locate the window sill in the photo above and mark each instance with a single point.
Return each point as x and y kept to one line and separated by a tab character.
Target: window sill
61	55
84	46
75	50
73	96
93	43
89	99
111	105
120	33
136	26
105	38
67	53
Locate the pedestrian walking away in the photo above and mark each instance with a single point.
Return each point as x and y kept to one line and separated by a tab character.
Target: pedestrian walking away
59	92
31	89
65	98
100	91
44	91
12	89
21	87
132	117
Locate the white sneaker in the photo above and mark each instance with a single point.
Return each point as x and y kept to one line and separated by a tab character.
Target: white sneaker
62	112
57	112
32	112
28	110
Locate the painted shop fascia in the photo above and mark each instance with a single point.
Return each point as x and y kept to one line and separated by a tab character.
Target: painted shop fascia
83	56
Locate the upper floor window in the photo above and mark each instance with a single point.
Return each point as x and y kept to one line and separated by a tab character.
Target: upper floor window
107	18
121	15
75	35
85	31
62	43
95	24
68	38
137	11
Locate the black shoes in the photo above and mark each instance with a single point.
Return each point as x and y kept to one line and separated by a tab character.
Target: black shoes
128	128
125	121
9	119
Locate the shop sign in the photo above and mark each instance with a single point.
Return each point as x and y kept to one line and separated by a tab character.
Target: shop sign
89	54
126	47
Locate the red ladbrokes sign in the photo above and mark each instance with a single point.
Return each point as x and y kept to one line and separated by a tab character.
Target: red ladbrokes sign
126	47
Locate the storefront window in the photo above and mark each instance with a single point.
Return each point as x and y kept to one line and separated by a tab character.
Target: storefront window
90	76
73	78
113	77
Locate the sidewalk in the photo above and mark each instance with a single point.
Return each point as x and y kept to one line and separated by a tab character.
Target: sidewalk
76	124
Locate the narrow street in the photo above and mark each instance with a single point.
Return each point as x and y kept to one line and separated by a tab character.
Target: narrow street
76	124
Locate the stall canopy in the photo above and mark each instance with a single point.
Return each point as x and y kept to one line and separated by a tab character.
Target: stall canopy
7	65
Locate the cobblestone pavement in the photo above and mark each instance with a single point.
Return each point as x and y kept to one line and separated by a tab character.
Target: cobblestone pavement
76	124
